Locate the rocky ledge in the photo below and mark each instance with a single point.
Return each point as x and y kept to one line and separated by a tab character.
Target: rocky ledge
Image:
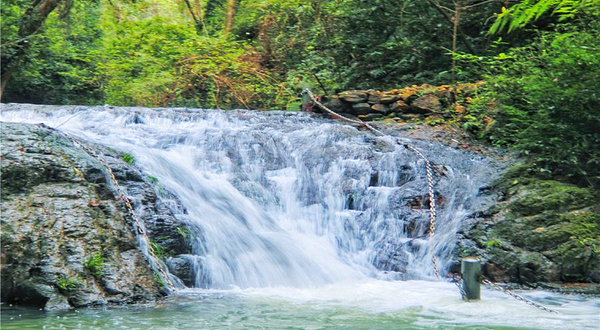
67	238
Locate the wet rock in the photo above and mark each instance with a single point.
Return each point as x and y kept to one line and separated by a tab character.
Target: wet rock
67	240
135	119
543	231
183	268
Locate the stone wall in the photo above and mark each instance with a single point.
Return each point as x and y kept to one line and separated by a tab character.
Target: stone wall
412	103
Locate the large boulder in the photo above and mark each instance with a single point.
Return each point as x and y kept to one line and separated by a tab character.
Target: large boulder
67	239
542	231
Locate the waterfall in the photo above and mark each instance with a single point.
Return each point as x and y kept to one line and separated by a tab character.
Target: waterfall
285	198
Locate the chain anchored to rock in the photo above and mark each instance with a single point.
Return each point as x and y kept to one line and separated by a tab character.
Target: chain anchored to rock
517	297
428	167
123	197
456	278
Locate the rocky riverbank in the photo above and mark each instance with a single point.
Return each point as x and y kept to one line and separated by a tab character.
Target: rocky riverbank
540	233
68	241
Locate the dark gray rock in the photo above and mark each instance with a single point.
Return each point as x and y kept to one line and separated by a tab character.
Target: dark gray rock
382	109
399	106
360	109
334	104
183	268
59	214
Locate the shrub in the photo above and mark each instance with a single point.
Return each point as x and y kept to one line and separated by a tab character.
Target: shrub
95	264
544	101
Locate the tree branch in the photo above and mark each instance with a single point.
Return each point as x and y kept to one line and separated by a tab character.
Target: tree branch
461	34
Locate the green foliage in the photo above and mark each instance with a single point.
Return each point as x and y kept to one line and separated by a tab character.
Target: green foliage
493	243
95	264
152	179
528	11
60	66
149	53
67	284
185	232
128	158
159	251
159	281
543	99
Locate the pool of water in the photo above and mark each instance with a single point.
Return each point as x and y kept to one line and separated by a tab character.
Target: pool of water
370	304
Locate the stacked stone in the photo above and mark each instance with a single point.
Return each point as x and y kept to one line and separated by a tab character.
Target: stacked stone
407	104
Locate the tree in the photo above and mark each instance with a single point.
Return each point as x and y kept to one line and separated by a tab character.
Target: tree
229	15
30	23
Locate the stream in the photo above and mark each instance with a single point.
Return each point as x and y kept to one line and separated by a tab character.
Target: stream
299	222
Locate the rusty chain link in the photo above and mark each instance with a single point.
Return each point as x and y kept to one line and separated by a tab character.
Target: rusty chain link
432	211
428	169
516	296
457	280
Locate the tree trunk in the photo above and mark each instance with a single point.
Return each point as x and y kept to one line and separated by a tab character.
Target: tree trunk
455	28
5	77
229	15
461	34
197	21
29	24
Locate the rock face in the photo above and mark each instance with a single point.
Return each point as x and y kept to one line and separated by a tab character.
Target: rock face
67	240
541	231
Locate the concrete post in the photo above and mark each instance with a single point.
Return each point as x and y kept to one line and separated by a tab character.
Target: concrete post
470	269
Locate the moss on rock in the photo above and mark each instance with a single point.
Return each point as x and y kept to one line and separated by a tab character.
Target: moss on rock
542	231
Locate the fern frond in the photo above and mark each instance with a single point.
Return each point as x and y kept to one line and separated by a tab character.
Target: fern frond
529	11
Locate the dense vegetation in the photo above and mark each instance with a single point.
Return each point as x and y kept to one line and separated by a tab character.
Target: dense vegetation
539	59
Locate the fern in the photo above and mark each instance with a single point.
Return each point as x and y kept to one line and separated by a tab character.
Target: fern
529	11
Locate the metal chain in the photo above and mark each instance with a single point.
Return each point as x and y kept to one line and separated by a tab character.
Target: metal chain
516	296
457	281
432	211
428	168
127	202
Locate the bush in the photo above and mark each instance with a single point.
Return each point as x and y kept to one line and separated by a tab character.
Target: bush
544	101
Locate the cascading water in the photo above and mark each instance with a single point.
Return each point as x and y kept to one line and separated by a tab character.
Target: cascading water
299	222
284	199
